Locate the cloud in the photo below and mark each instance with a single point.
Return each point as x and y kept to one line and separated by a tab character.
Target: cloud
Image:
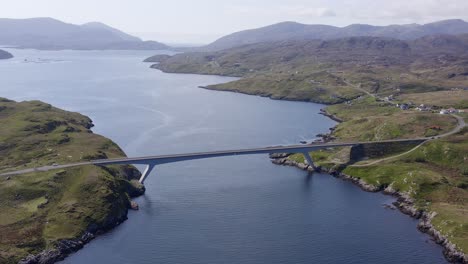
313	12
298	11
400	11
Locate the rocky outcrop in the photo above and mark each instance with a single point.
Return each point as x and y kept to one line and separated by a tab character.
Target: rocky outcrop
332	117
361	183
63	248
279	155
134	205
404	203
450	250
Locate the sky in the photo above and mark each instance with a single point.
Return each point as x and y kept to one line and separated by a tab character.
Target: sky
203	21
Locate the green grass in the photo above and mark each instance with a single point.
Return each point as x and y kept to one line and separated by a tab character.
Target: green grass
369	120
457	99
320	87
326	158
38	209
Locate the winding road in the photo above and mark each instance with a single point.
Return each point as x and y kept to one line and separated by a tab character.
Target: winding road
461	124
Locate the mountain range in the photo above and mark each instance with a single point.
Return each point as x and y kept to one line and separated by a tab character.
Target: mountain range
52	34
433	51
296	31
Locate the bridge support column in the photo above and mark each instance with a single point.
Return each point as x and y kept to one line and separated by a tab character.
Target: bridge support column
309	160
145	173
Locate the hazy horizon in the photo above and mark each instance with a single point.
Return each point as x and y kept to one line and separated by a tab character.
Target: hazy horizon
201	22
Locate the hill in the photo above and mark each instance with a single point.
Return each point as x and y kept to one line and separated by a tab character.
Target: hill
52	214
296	31
5	55
48	33
333	71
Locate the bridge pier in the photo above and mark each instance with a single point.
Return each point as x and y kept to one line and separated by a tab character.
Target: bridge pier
146	172
308	158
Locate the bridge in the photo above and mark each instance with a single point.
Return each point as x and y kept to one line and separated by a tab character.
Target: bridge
152	161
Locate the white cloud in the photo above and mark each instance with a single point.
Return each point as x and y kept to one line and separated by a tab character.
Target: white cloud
405	11
314	12
283	11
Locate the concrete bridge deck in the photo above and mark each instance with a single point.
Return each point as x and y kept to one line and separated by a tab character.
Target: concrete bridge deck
152	161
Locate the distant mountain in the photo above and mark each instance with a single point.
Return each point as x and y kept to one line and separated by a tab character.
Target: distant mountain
5	55
297	31
48	33
282	56
101	26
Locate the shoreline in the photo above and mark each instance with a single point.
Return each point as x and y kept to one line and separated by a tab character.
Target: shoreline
257	94
404	203
66	247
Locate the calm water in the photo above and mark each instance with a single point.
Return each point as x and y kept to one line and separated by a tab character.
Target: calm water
223	210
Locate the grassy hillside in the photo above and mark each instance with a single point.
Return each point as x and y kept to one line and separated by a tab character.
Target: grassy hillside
369	120
435	175
457	99
319	87
333	71
38	210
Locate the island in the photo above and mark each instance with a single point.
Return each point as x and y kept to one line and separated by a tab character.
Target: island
5	55
44	216
377	89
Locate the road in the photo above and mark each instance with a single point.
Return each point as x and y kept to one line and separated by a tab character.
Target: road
461	124
163	159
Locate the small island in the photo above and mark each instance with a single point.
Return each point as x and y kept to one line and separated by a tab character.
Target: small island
44	216
5	55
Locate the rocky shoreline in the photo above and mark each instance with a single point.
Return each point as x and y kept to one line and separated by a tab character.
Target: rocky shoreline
66	247
332	117
270	96
404	203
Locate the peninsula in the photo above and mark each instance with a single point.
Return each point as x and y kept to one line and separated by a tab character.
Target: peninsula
44	216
